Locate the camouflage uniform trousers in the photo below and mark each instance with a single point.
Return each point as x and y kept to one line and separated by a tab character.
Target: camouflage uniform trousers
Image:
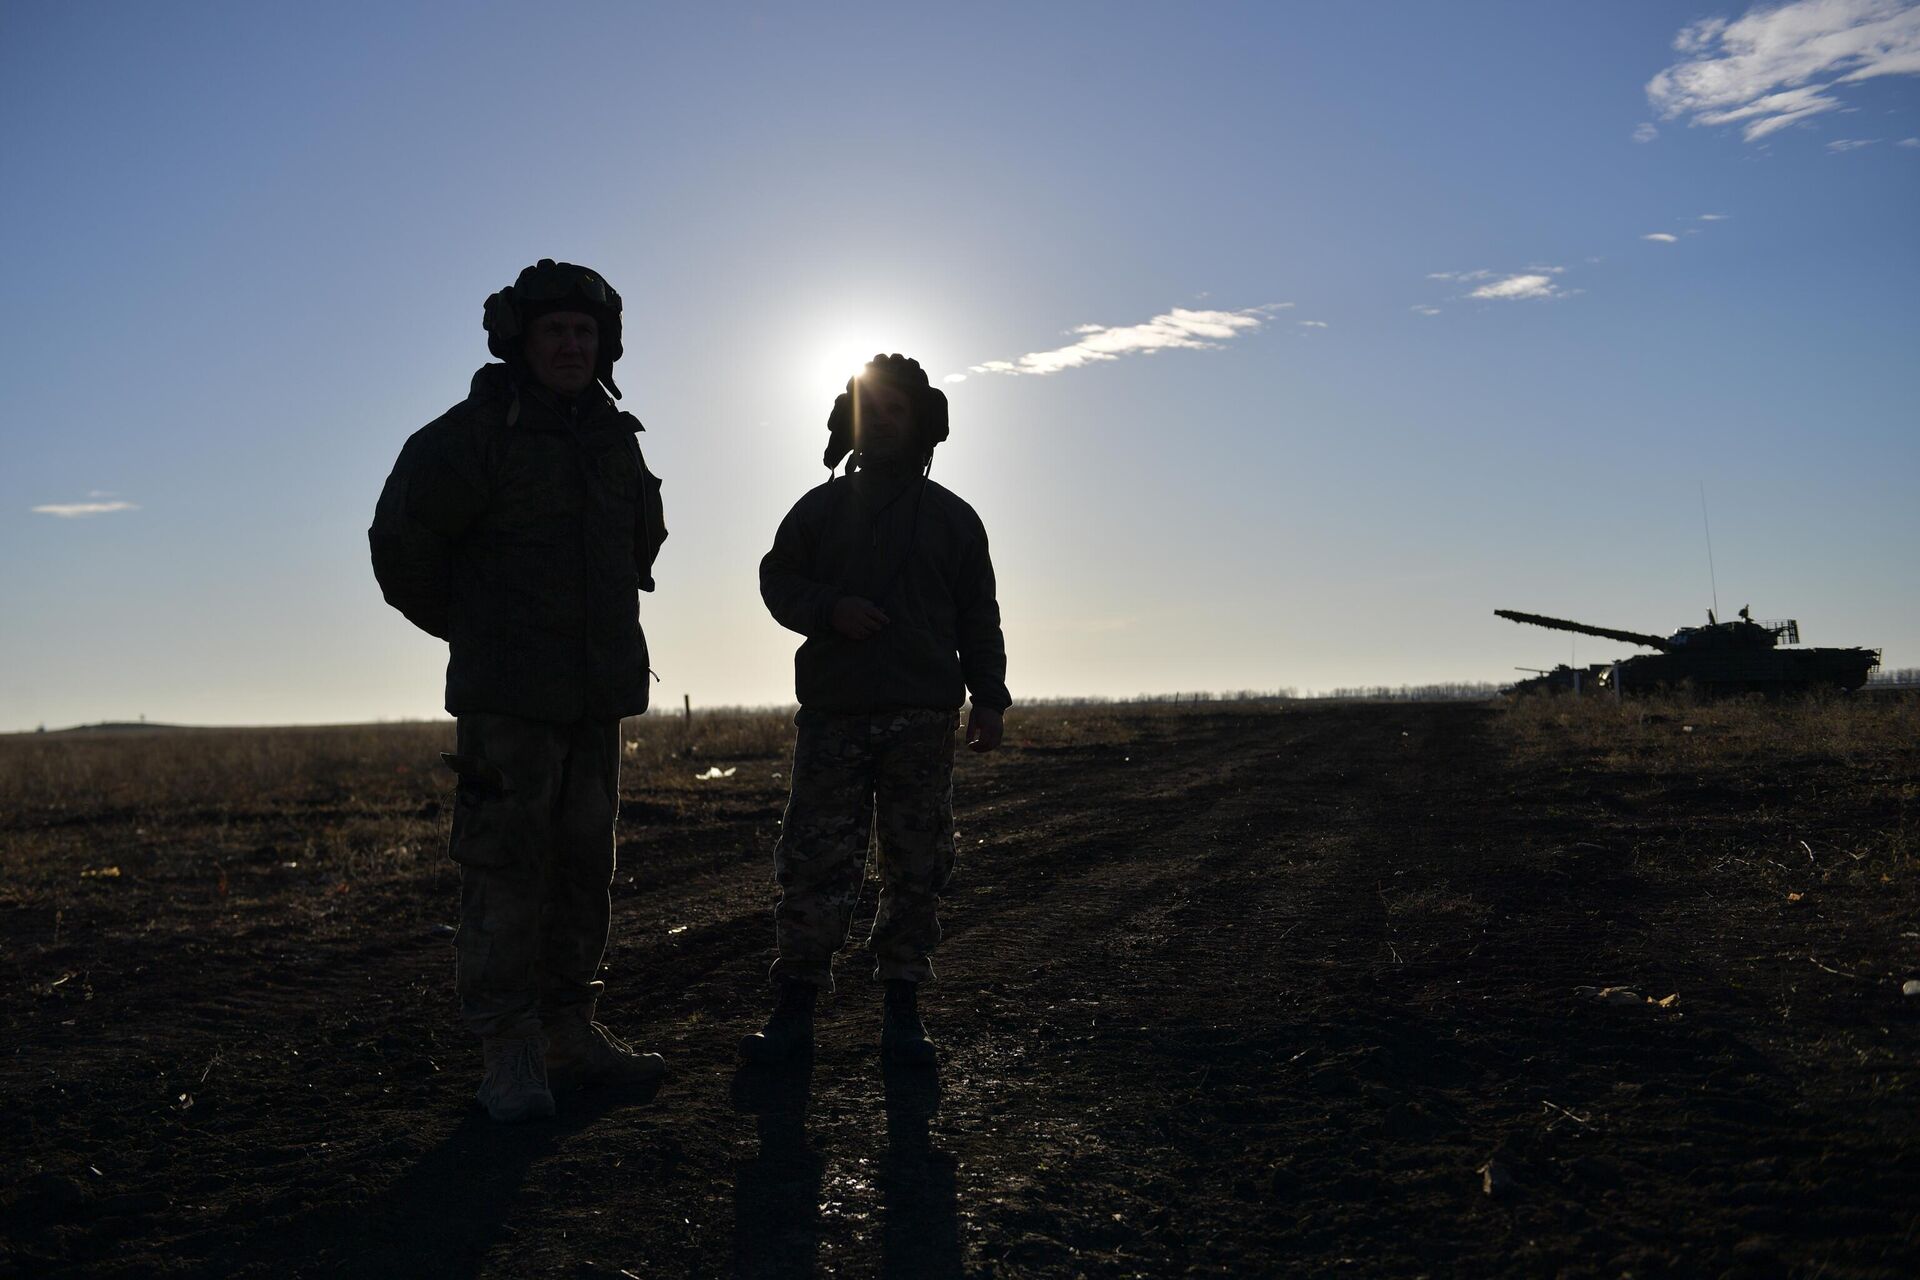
533	834
885	777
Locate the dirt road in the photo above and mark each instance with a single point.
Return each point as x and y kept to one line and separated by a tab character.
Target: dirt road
1307	992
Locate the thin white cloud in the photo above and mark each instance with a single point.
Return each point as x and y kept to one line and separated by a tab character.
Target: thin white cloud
1312	324
1662	237
1839	145
1713	217
1645	132
955	377
70	510
1421	309
1908	142
1461	277
1780	64
1520	288
1178	329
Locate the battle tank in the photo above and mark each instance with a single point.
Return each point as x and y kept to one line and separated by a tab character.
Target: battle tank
1740	656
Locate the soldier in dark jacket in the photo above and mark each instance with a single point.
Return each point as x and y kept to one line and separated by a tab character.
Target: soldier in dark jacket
519	526
886	574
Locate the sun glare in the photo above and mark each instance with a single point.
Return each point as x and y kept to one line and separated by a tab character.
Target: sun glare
840	347
833	362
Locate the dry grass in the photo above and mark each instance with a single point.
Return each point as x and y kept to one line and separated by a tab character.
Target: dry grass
1818	791
1681	733
372	768
303	820
355	766
140	771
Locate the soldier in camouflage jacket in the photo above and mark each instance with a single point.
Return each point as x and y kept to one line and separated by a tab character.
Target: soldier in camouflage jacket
519	526
887	576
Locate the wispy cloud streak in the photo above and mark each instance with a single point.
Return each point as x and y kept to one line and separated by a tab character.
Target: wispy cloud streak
1178	329
1781	64
73	510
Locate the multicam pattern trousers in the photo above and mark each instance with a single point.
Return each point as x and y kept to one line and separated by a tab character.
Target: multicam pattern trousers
884	778
533	834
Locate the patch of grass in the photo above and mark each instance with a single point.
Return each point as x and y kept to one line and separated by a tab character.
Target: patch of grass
1436	900
1807	794
1675	732
352	768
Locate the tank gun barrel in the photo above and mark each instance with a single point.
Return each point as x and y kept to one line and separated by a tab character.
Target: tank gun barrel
1561	624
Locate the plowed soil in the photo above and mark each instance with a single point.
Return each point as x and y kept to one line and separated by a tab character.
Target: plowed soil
1313	991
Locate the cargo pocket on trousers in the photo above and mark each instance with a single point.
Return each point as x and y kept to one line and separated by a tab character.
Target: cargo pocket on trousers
484	813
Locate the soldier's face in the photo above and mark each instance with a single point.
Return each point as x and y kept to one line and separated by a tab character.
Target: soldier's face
562	348
882	421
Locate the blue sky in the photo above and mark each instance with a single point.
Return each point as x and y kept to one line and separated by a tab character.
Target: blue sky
250	245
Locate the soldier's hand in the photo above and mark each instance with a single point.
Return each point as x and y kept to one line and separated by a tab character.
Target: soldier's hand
856	619
984	728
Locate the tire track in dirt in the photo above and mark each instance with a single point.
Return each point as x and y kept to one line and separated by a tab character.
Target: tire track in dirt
1233	868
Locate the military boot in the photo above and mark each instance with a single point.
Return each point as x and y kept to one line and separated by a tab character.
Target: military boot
788	1034
515	1087
903	1037
581	1051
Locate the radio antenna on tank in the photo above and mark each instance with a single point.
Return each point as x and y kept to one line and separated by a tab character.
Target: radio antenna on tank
1711	581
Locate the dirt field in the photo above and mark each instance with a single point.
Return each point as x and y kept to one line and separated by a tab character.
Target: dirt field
1315	990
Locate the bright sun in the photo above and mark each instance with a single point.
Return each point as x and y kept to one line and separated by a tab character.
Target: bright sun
839	347
837	359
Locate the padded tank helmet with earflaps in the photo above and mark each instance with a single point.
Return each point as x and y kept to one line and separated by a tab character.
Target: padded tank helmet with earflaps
549	286
929	405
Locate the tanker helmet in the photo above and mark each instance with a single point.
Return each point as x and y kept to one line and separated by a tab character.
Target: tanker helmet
929	405
549	286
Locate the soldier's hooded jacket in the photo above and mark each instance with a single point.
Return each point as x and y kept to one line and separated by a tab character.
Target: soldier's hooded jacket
518	527
918	551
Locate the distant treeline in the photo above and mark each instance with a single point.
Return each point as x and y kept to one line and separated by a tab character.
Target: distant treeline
1460	692
1895	675
1469	691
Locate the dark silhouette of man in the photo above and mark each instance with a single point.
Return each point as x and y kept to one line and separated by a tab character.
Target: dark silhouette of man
518	526
887	576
